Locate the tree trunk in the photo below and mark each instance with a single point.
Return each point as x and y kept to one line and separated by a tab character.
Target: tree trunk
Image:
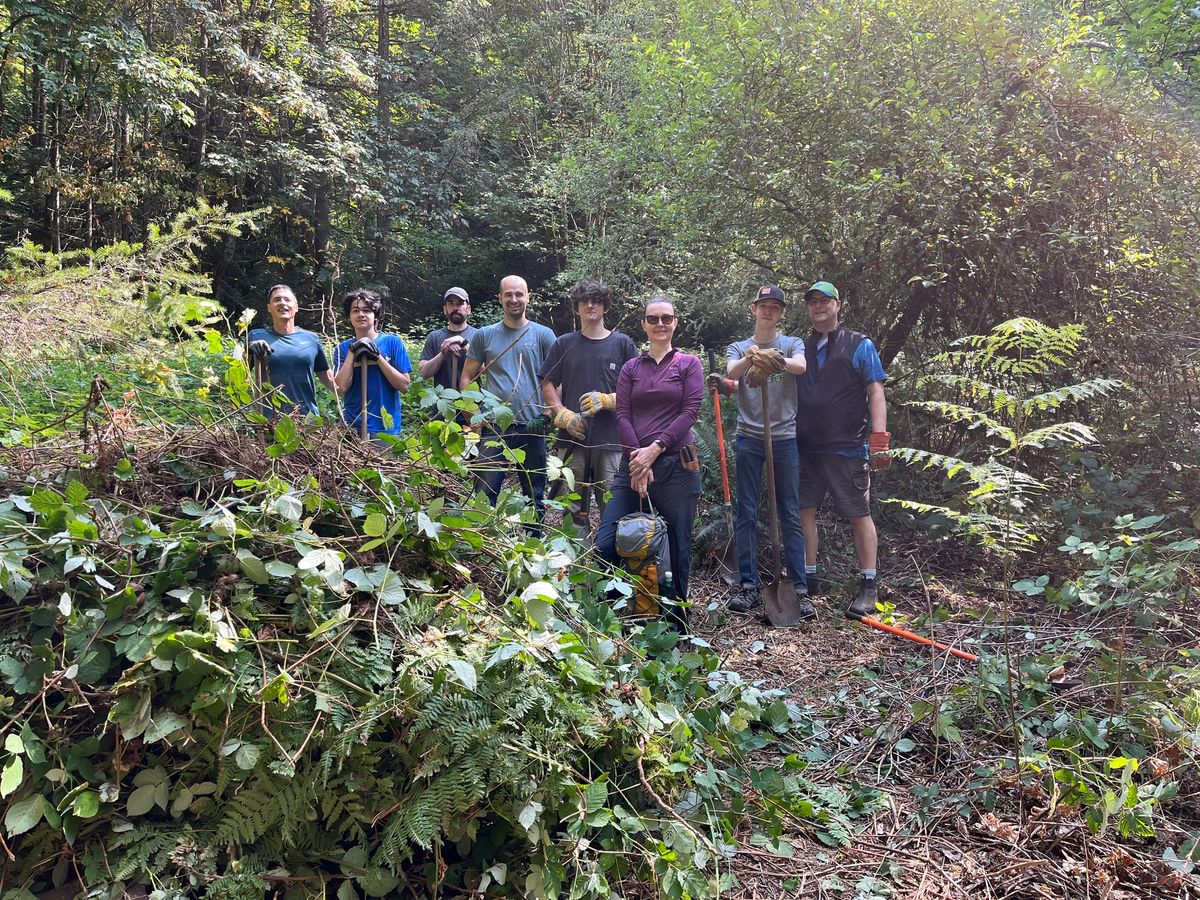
383	118
893	341
39	212
200	135
318	38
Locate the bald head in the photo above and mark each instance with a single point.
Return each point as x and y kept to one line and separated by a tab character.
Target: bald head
514	300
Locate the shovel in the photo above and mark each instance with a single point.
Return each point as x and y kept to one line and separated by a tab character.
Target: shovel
783	609
728	570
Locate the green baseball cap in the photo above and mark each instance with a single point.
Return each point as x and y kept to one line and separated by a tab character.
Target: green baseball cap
823	287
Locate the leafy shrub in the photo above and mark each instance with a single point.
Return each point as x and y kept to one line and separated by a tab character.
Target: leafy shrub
372	680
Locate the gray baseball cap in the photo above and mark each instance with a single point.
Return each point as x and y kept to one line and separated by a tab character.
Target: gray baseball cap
456	292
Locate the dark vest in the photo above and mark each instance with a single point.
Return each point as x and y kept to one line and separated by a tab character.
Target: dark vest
832	411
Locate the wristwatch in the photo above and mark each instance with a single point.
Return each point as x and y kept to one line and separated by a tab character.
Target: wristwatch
662	445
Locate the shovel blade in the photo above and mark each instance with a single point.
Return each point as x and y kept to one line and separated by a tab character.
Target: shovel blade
783	609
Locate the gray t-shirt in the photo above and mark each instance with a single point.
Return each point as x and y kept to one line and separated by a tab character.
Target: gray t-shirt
513	377
578	364
433	346
782	391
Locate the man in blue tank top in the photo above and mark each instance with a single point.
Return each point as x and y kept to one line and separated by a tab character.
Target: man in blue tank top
841	429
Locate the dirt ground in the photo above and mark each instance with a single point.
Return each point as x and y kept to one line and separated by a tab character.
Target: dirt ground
858	684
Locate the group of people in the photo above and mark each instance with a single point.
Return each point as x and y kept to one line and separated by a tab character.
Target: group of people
624	419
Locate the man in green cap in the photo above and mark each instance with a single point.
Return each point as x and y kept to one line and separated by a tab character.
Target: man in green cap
841	429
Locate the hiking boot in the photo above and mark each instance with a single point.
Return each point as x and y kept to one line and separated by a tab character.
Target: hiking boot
816	585
745	599
864	603
804	604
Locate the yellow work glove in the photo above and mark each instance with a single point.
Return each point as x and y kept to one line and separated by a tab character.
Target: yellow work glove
594	401
570	422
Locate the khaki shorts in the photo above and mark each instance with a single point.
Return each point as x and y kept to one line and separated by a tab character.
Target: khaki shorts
847	479
604	468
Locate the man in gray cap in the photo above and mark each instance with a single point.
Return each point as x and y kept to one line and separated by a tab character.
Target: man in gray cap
442	357
766	356
841	426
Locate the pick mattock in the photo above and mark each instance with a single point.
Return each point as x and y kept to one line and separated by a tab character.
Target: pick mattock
916	638
783	607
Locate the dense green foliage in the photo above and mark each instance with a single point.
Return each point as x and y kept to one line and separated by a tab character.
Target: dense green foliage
938	158
381	684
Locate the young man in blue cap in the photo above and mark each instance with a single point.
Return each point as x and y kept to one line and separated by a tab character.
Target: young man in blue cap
779	359
841	427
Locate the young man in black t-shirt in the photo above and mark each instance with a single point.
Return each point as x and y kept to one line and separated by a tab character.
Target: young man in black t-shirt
579	383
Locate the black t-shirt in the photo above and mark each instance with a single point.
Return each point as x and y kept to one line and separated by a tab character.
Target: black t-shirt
577	365
433	346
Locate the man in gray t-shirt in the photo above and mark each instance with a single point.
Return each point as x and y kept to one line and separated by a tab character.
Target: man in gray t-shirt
442	356
508	355
778	358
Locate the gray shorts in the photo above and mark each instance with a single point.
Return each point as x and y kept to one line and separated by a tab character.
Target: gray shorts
847	479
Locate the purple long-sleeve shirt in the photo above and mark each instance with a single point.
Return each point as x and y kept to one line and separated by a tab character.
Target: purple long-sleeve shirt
659	401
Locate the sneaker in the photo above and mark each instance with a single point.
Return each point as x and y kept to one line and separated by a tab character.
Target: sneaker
864	603
745	599
804	604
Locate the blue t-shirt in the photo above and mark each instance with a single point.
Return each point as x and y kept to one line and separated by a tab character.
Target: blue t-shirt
380	393
291	366
869	366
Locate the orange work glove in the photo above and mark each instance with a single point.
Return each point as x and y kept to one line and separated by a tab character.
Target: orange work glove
878	445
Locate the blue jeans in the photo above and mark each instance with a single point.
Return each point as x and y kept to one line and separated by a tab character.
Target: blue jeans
750	460
531	474
674	493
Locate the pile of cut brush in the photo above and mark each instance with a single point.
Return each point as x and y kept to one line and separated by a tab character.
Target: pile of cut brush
245	660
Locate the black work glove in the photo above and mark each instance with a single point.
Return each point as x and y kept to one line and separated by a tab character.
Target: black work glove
260	350
365	348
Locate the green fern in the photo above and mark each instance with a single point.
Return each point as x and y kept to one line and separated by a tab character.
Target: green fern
995	389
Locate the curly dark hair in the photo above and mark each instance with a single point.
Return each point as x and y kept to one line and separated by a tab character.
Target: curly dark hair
370	297
592	290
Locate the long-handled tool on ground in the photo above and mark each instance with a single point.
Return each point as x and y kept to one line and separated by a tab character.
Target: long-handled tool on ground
916	638
783	608
729	572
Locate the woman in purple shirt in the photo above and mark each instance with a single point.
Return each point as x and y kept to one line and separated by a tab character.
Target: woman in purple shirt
658	399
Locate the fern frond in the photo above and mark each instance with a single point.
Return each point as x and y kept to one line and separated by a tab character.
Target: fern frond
999	399
1072	393
1058	433
990	531
952	466
972	418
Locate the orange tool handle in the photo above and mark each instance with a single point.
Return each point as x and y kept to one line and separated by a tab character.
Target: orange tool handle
908	635
712	366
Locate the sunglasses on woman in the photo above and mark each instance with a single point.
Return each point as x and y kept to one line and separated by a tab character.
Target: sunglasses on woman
664	319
